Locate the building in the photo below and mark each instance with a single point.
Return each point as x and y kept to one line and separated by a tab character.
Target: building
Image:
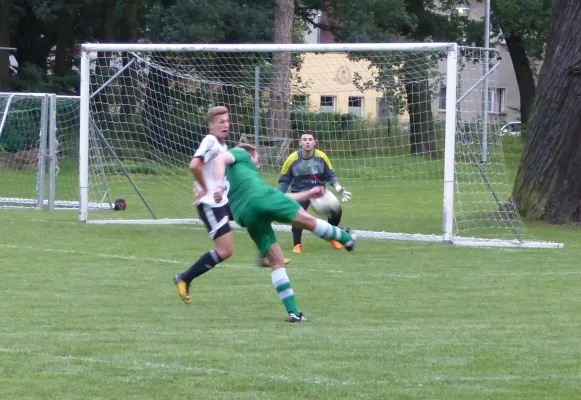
503	93
331	87
327	82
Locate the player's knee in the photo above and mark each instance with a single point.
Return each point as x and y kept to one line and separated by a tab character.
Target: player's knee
225	248
225	251
304	220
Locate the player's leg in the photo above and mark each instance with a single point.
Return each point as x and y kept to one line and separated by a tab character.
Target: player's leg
298	232
323	229
282	208
217	222
334	219
260	230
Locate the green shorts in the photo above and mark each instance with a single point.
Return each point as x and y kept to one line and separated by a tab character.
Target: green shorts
261	212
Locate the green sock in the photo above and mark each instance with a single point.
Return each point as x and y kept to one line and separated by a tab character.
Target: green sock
285	292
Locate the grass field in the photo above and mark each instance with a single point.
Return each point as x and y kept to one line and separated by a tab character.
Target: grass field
89	312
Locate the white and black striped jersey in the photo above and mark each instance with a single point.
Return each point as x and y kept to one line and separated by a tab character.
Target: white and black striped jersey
209	149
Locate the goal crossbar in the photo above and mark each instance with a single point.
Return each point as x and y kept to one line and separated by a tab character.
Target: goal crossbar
258	48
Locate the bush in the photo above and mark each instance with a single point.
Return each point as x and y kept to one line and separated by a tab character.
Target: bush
14	139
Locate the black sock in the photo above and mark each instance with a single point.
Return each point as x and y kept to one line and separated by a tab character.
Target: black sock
297	234
203	265
335	218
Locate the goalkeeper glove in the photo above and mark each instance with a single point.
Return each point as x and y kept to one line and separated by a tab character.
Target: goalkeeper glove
345	195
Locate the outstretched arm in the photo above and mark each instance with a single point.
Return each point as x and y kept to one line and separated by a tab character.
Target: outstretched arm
331	178
313	193
220	172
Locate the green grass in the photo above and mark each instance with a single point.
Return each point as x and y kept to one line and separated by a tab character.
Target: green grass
89	312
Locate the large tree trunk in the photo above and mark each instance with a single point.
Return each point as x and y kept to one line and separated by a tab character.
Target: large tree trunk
418	91
279	110
524	75
422	132
156	110
5	8
548	183
128	33
63	59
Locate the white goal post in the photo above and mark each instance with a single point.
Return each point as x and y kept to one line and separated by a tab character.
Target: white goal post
406	126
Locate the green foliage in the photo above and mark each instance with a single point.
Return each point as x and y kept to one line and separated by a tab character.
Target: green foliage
32	78
528	19
209	21
21	132
133	168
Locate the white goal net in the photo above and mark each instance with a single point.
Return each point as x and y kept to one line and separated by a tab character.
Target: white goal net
39	151
401	123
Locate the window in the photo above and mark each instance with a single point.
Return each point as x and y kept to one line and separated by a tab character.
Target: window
355	106
463	11
442	98
300	102
382	109
497	100
327	104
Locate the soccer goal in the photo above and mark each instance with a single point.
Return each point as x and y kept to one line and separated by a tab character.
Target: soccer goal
39	151
407	127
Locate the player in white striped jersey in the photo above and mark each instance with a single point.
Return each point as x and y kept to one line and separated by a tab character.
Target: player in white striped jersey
216	216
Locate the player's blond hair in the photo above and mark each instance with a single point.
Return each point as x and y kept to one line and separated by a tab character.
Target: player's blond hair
215	111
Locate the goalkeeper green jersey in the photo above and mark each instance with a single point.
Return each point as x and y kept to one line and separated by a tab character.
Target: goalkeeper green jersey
245	182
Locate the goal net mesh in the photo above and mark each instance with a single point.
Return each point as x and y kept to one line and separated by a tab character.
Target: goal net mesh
20	150
379	117
26	155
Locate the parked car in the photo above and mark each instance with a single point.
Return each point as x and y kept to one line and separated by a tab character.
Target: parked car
511	129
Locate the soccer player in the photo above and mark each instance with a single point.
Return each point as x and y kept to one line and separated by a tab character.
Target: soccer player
215	214
305	169
255	205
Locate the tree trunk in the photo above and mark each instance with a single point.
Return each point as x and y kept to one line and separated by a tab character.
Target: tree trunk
524	75
128	33
5	8
156	110
279	110
102	67
418	91
63	57
31	40
422	132
548	183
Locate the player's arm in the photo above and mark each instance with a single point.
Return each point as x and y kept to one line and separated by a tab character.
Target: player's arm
201	156
197	170
286	173
310	194
330	177
220	164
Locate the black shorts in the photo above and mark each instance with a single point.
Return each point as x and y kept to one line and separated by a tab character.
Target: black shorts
216	219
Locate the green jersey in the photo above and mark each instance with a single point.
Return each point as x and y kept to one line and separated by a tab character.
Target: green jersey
245	182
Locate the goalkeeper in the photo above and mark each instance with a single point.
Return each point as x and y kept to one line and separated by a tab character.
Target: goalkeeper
255	205
305	169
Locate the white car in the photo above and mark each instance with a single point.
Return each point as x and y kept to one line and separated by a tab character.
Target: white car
511	129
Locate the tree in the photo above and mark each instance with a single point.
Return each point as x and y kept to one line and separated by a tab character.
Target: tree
279	90
548	183
524	25
400	20
5	20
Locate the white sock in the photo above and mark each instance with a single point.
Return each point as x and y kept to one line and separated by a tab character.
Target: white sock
325	230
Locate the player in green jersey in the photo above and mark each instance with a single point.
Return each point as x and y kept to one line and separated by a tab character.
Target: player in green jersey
255	205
